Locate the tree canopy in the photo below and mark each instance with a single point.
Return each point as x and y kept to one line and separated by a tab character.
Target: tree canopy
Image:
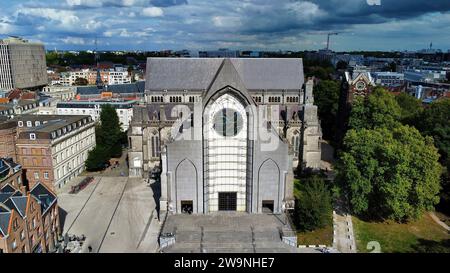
109	138
379	109
389	173
411	108
313	204
326	97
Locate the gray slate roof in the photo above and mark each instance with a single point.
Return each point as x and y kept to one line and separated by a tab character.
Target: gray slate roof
7	188
137	87
45	197
198	73
19	203
4	222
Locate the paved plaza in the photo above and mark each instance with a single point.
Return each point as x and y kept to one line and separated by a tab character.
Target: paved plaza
116	214
227	232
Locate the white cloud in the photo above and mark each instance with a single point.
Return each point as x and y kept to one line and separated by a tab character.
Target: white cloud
152	12
123	32
65	17
73	41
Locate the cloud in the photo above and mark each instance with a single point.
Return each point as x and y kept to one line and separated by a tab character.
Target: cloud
248	24
152	12
73	41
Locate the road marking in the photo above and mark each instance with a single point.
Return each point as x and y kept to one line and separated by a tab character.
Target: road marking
112	216
85	203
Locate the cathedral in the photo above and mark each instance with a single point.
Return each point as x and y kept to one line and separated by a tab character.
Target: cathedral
225	134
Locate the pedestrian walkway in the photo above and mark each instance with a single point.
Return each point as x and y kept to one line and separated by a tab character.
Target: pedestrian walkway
439	222
344	239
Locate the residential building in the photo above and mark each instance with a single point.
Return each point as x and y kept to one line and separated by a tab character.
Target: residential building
29	222
8	132
129	91
52	149
124	109
388	79
226	133
10	173
61	93
22	64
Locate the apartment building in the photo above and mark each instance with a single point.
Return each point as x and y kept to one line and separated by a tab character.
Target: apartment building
29	222
108	76
52	149
10	173
124	109
8	133
22	64
61	93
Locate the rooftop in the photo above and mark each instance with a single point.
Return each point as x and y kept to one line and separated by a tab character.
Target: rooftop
199	73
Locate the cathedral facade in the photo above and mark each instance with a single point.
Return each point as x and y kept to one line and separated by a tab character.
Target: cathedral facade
226	134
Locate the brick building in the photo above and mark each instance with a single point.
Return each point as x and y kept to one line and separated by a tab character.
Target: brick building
52	149
29	223
7	139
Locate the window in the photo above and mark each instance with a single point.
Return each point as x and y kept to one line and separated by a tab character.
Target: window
32	136
37	123
22	235
20	123
14	244
155	146
29	124
296	143
36	175
46	175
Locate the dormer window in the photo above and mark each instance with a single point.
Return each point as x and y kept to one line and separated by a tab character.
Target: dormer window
20	123
37	123
32	136
29	124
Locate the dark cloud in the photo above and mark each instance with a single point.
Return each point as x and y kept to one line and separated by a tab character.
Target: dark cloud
168	3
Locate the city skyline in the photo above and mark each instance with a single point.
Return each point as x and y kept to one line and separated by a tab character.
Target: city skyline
246	25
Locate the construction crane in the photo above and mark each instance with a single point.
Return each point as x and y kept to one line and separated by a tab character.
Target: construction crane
328	38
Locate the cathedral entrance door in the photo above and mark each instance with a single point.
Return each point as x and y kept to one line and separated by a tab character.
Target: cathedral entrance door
227	201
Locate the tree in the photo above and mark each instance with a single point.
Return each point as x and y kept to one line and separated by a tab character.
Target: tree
313	205
411	108
342	65
80	82
379	109
97	158
326	97
389	172
435	122
109	133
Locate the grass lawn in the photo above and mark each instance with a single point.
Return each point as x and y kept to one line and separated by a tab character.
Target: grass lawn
395	237
323	236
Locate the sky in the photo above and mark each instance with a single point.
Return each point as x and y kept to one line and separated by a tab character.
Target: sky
234	24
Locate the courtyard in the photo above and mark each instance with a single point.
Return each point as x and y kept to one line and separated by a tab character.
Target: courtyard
116	214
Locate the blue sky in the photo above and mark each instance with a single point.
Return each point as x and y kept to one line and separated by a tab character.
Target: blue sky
234	24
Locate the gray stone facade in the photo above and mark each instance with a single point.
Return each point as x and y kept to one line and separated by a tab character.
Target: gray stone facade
225	133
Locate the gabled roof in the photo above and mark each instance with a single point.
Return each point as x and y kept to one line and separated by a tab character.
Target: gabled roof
4	222
198	73
4	196
46	197
18	203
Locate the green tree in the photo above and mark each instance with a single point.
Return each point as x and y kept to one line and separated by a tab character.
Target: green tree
97	158
379	109
80	82
313	205
109	133
411	108
435	122
389	173
326	97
